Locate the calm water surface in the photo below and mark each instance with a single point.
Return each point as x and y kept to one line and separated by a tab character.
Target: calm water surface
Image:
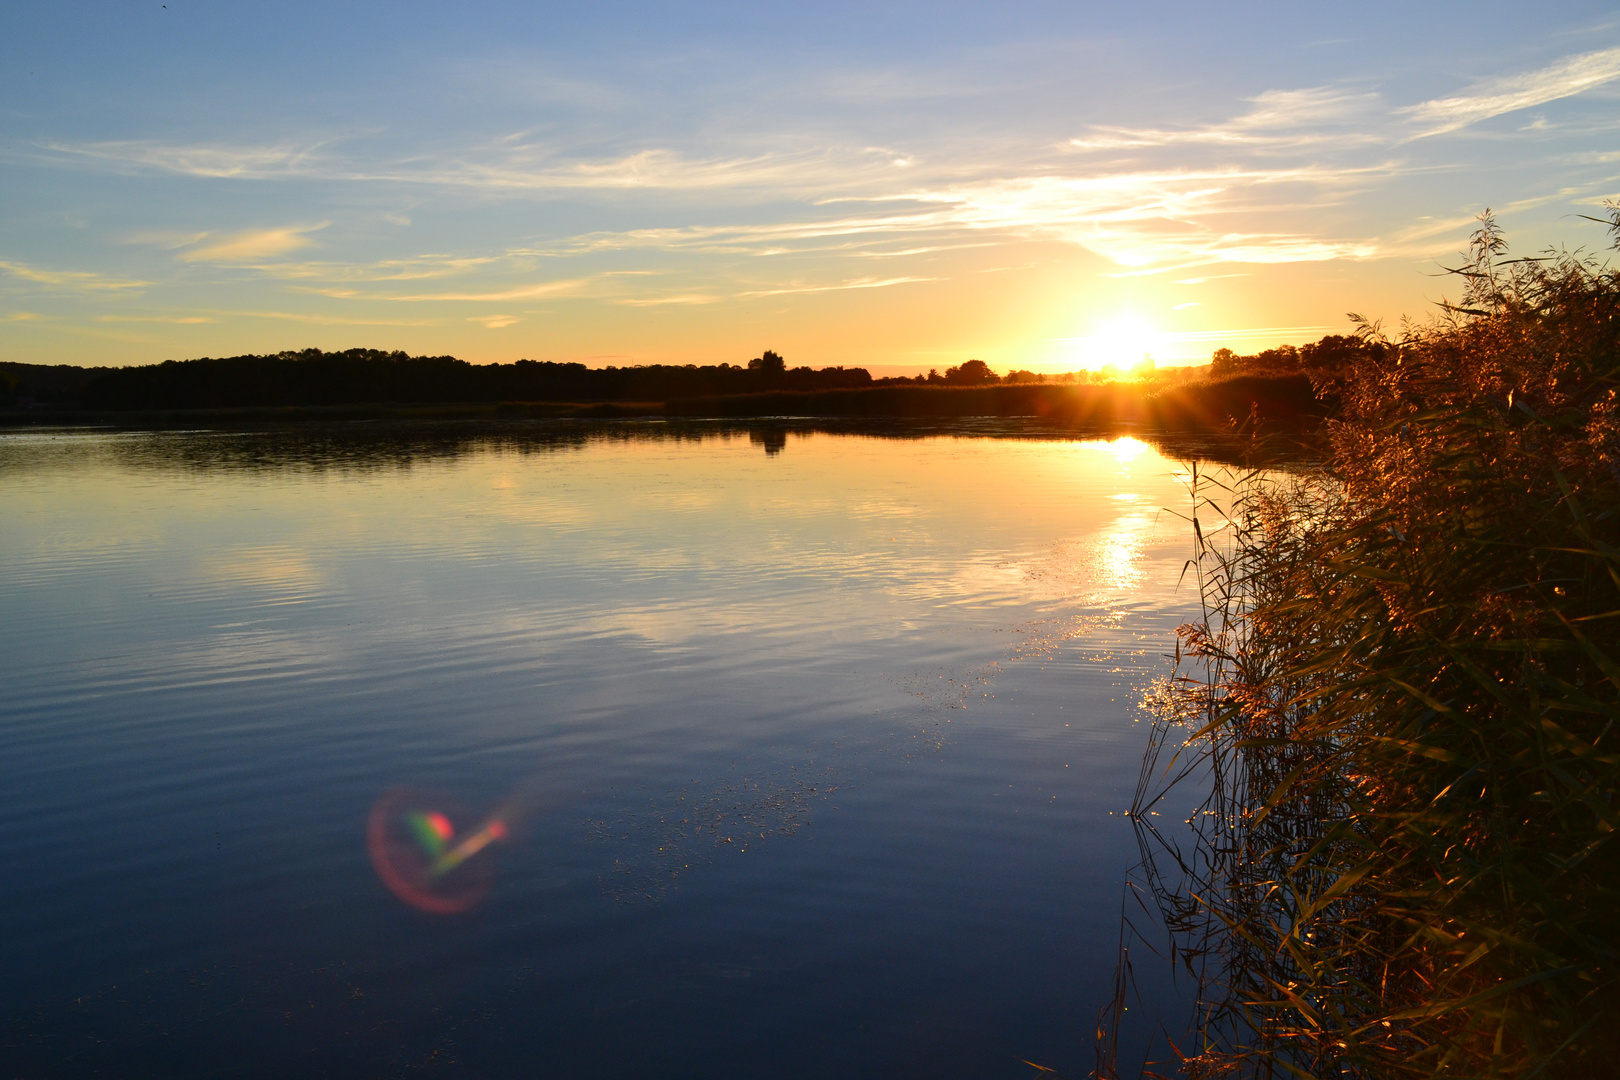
836	729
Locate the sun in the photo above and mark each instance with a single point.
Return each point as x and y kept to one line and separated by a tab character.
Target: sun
1125	343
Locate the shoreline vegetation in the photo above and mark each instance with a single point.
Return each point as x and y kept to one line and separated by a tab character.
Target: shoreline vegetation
1399	717
1271	391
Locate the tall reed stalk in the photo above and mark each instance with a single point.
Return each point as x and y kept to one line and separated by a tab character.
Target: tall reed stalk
1403	696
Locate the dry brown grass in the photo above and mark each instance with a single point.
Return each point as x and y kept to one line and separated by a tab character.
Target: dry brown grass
1404	694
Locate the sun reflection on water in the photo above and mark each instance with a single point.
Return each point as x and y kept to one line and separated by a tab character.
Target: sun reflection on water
1127	448
1121	551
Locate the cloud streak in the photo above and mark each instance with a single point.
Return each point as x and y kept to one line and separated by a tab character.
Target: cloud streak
70	279
1277	120
522	292
1497	97
1147	218
333	320
211	161
176	320
411	268
1341	119
663	301
859	283
252	245
504	165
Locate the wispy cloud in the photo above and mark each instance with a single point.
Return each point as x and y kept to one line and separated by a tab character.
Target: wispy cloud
661	301
510	165
178	320
409	268
496	322
203	160
1142	217
1277	120
169	239
859	283
334	320
245	247
1283	120
522	292
23	316
70	279
521	168
310	318
750	239
252	245
1495	97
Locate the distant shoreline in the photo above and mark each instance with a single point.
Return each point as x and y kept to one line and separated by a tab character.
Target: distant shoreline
1258	402
1249	402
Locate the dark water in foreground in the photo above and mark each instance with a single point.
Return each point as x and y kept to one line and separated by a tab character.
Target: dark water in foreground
838	734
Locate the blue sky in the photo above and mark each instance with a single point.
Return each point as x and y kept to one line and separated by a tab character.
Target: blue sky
899	186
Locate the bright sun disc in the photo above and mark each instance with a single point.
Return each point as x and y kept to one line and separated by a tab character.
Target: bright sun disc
1126	343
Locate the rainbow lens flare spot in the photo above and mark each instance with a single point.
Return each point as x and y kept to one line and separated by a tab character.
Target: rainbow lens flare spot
433	831
409	837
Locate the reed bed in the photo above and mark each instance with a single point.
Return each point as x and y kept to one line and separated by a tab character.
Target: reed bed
1401	703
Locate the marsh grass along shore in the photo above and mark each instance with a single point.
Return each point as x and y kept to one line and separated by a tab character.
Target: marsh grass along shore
1405	697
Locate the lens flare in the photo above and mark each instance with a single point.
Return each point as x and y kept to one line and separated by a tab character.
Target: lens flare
409	838
432	831
439	859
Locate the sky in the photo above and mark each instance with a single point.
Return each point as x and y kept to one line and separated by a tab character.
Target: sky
897	186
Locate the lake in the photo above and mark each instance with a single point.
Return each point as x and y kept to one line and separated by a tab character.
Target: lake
829	732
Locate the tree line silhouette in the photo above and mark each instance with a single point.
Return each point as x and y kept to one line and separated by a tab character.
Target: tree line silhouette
1331	354
362	377
312	377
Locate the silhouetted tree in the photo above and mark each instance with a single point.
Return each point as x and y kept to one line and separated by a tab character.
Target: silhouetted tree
971	373
771	366
1284	359
1324	360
